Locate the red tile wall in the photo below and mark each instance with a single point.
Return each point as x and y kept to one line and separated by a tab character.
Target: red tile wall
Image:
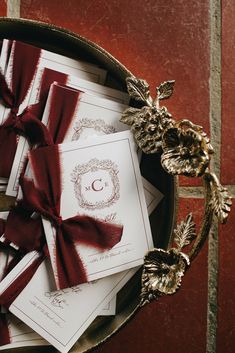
228	88
226	307
161	40
226	285
157	40
3	8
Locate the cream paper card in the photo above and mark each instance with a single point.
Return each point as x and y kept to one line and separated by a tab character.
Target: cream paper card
60	317
22	335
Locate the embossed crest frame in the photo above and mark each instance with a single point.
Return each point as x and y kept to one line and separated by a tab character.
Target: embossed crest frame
185	150
92	166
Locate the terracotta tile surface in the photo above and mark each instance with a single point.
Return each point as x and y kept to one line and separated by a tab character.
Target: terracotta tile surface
228	97
156	40
3	8
226	307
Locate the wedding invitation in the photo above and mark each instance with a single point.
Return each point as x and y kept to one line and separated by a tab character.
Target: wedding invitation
101	180
60	317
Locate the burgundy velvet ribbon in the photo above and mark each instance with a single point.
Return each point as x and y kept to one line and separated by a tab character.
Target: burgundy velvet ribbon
25	61
4	330
25	232
63	103
22	230
45	199
16	287
2	226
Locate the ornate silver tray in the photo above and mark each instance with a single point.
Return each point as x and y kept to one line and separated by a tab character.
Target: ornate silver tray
171	148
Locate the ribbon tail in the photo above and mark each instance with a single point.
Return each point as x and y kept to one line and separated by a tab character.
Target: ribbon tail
16	287
70	269
93	232
16	259
34	130
4	330
8	144
2	226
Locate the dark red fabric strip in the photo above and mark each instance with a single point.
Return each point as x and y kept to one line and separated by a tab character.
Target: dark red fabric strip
4	330
24	65
63	104
12	292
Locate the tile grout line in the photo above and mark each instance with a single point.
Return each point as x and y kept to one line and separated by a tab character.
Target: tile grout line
215	133
197	192
13	8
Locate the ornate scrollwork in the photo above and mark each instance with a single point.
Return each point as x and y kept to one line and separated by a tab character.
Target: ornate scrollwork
185	150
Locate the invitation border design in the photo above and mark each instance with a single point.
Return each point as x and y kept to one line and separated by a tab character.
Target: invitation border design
93	165
98	125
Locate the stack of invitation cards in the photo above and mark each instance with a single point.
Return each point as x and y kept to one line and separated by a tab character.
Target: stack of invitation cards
82	184
91	115
24	69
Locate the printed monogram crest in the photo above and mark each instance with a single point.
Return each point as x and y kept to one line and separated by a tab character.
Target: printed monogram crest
96	184
98	125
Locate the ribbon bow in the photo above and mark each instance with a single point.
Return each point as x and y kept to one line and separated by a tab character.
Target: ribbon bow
45	199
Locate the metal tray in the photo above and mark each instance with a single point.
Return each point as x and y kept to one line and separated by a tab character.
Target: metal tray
162	219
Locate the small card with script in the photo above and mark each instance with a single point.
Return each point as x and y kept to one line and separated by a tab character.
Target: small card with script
100	179
93	115
60	317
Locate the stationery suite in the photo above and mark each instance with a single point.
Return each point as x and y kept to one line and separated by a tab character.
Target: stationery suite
88	106
60	316
24	70
74	169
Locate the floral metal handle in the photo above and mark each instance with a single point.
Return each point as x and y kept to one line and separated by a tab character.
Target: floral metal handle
185	150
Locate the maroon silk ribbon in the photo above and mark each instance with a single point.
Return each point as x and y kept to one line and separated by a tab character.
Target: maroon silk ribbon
63	103
25	61
21	229
45	199
4	330
2	226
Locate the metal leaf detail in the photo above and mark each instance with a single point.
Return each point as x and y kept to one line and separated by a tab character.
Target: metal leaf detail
221	202
138	89
165	89
185	232
128	115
